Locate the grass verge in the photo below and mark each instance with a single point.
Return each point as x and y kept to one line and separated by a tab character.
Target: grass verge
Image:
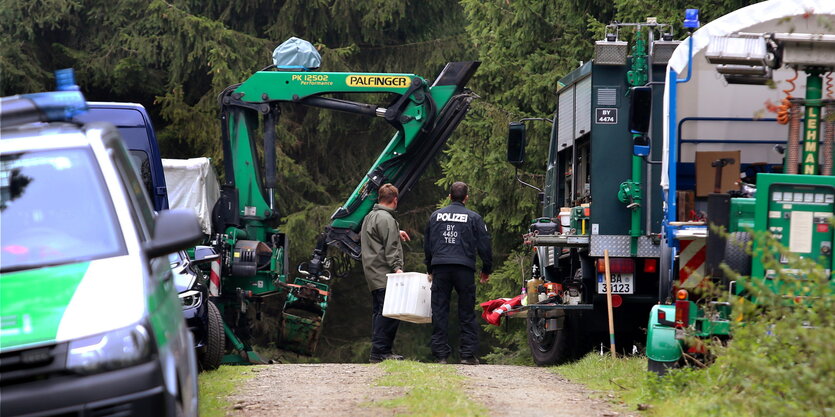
431	390
215	387
623	378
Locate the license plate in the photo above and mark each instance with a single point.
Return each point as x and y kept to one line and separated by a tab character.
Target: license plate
621	284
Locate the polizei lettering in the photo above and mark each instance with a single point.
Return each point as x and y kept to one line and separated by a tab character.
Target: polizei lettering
452	217
377	81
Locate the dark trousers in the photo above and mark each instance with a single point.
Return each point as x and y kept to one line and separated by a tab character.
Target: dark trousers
462	279
383	329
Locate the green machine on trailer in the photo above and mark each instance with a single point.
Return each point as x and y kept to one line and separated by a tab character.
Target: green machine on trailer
254	259
720	118
596	199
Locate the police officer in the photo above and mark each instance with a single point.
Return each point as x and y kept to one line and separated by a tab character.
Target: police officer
453	236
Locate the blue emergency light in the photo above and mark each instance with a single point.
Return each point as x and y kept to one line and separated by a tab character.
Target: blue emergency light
691	18
60	105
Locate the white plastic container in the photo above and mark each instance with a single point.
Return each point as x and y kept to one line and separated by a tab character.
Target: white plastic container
408	297
565	220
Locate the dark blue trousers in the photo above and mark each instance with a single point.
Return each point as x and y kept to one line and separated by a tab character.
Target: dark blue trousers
462	279
383	329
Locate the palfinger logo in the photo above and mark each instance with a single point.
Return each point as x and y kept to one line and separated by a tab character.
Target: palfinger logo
377	81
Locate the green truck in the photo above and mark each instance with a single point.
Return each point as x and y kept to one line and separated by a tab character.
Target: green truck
598	199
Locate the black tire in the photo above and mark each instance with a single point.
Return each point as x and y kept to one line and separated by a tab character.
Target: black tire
736	257
660	368
212	353
555	347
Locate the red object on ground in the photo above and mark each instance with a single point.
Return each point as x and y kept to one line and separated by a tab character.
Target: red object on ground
494	309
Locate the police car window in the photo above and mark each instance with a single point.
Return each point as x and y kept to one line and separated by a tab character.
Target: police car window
136	191
142	163
56	210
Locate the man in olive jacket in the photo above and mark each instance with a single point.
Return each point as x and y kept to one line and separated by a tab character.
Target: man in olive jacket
382	254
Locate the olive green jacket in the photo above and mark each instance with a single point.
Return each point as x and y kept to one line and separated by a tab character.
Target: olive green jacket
381	250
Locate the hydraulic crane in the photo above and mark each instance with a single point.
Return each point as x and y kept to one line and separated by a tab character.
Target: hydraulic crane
254	259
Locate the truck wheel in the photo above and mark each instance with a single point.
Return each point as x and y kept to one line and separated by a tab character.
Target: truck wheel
660	368
211	356
555	347
735	256
547	348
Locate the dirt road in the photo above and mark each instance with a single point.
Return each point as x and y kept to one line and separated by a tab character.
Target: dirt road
307	390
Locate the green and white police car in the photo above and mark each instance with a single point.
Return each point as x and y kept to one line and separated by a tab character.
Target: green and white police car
90	322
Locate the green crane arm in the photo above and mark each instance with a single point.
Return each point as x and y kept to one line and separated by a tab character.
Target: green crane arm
423	115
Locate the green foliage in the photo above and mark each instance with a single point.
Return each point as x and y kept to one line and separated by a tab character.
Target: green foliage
780	357
432	390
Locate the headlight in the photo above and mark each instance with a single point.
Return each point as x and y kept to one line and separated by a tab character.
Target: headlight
191	299
112	350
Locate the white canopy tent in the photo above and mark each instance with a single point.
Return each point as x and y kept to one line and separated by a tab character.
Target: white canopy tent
707	97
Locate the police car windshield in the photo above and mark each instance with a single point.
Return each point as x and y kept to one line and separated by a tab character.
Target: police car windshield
55	210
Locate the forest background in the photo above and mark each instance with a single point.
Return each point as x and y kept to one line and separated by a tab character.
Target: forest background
176	56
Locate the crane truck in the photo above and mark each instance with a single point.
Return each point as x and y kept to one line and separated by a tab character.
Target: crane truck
254	262
717	128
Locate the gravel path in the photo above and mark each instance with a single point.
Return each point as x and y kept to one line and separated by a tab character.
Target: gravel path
312	390
332	390
529	391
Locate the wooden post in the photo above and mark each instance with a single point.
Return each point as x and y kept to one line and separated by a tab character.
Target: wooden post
609	303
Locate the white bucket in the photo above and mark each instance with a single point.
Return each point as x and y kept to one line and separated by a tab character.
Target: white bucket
565	218
408	297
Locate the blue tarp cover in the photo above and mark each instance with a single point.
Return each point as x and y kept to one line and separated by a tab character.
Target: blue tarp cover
296	53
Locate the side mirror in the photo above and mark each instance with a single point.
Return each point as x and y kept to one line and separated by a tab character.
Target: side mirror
516	143
640	109
174	230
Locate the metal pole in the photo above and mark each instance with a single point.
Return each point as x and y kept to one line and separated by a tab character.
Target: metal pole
811	131
609	304
635	226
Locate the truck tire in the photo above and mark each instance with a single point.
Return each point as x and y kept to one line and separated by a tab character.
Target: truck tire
735	256
660	368
555	347
212	354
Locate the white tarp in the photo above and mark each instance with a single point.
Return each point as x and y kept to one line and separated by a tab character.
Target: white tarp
192	184
708	95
